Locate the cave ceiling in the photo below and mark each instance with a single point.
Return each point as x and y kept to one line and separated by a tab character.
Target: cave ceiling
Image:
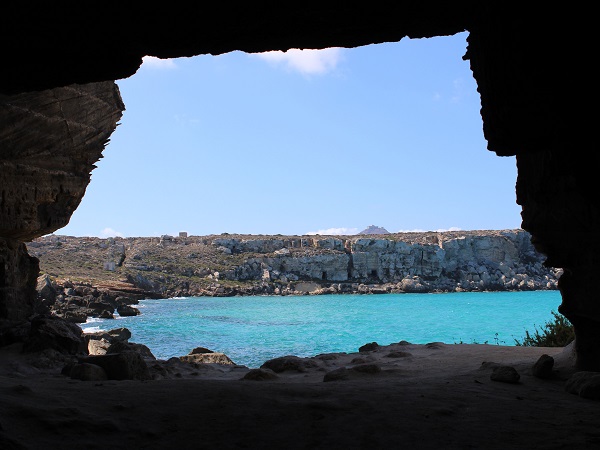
46	46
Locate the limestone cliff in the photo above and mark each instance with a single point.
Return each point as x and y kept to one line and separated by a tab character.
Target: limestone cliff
225	265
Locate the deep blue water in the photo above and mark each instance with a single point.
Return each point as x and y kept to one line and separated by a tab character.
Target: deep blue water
251	330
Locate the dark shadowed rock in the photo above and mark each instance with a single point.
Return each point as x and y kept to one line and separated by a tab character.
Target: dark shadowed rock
586	384
289	362
366	368
398	355
124	300
359	360
76	315
127	311
87	372
121	366
6	443
12	332
51	332
345	373
434	345
327	356
260	375
505	374
100	306
372	346
543	367
66	369
124	346
336	375
199	350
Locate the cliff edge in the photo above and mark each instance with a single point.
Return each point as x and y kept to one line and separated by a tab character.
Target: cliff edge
87	269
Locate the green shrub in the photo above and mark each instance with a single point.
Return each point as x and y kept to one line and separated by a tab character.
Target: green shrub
557	333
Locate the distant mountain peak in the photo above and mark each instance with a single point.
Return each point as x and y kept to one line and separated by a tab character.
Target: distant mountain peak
373	229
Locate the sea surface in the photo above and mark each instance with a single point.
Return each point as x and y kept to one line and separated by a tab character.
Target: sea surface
252	330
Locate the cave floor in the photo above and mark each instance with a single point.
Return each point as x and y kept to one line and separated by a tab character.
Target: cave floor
433	396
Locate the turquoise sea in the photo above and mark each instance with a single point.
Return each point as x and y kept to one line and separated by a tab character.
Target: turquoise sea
251	330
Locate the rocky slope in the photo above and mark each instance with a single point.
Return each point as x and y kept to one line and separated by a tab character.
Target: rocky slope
103	275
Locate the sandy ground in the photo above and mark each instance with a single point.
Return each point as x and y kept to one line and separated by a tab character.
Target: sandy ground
430	396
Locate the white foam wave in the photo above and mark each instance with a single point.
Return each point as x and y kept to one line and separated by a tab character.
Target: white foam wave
92	329
93	320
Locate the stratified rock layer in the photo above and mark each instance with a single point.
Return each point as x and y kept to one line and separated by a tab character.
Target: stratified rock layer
50	142
228	265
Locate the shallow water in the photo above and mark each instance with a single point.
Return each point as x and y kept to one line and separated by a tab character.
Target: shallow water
251	330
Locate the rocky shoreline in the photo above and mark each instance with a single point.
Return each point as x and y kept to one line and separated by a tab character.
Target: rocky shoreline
94	277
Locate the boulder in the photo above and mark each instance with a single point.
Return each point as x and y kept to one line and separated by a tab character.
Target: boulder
586	384
127	310
46	289
199	350
260	375
98	346
122	346
120	366
289	362
505	374
370	347
207	358
51	332
117	334
543	367
87	372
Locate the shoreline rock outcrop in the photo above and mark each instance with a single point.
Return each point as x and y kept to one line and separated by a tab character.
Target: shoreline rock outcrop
93	277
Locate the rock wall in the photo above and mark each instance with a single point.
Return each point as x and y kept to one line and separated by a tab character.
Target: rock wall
18	273
50	142
227	265
443	261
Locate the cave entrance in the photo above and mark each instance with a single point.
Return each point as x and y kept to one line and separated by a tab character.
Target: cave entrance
296	145
239	134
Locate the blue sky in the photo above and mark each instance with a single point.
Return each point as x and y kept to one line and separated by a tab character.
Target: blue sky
301	142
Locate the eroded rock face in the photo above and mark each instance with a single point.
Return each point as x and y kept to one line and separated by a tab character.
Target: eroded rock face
18	271
560	205
551	137
50	141
498	260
